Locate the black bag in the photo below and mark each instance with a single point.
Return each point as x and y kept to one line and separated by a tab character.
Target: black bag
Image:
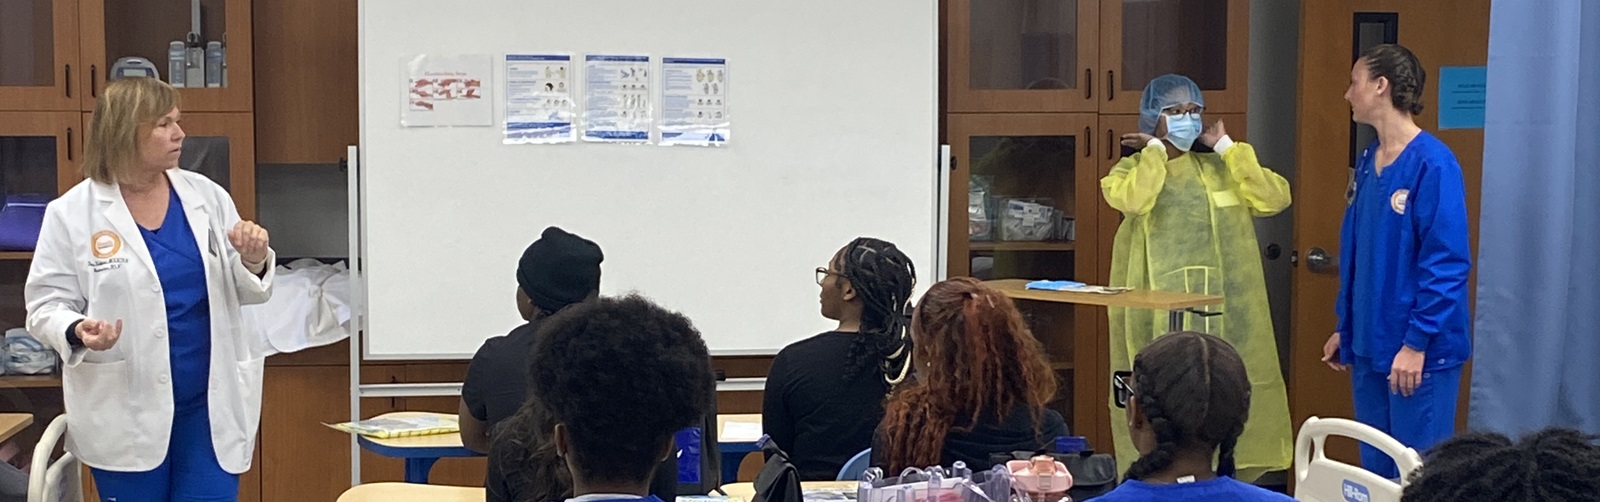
1092	474
779	480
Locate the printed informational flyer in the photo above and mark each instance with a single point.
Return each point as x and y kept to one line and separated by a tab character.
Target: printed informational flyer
539	104
447	91
617	99
694	102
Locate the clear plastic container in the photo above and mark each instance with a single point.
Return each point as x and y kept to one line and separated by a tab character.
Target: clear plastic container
1028	219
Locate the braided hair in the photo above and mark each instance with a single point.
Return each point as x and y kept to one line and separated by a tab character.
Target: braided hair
1406	76
1193	389
1553	465
882	277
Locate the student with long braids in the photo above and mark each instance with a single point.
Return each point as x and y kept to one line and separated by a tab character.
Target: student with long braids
980	387
824	395
1553	465
1190	398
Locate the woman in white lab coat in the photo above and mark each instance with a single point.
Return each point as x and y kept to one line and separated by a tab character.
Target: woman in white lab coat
137	281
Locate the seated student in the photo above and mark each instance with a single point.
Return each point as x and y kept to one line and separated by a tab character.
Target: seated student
824	395
980	384
1190	398
557	270
1553	465
614	380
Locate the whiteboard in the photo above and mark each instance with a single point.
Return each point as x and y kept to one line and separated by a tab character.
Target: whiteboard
834	110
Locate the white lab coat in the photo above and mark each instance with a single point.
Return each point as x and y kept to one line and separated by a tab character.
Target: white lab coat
92	261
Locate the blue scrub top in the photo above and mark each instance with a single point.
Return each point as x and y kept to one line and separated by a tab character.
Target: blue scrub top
182	273
1404	259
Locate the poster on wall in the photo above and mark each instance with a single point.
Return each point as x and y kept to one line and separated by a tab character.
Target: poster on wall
1463	96
694	102
447	91
617	99
540	108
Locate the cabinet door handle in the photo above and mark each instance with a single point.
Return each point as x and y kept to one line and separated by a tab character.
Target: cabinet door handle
1088	83
1111	144
69	80
69	143
1111	85
94	82
1088	142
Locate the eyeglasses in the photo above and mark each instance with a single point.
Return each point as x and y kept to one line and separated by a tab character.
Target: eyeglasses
823	273
1122	388
1175	111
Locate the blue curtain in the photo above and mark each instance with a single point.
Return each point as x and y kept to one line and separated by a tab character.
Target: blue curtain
1537	362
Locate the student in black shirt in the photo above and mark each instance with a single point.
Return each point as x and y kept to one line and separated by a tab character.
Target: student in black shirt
980	387
824	395
611	382
558	270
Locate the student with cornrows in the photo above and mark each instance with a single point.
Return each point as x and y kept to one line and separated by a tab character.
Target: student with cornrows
979	387
1187	399
824	395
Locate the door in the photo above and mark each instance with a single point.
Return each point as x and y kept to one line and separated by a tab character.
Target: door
222	147
1022	55
1457	36
115	29
1206	40
39	55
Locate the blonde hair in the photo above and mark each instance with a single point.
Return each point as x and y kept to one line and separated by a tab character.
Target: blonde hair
121	117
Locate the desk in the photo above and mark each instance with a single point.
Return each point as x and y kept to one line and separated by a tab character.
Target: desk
1176	304
406	492
12	423
733	452
419	452
747	491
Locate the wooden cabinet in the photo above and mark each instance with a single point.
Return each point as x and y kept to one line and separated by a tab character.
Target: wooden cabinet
221	146
1205	40
308	106
1024	193
40	152
114	29
39	55
1091	55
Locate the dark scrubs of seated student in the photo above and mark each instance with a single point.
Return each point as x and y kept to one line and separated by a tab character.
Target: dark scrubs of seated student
980	386
824	395
558	270
616	378
1187	399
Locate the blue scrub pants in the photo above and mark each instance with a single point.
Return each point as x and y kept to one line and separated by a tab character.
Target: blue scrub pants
1419	422
189	473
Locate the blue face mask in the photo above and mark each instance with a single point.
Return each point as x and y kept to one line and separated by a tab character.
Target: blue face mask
1183	129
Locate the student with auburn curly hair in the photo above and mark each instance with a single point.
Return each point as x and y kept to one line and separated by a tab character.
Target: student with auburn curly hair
980	386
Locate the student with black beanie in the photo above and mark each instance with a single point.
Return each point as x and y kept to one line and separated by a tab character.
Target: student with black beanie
558	270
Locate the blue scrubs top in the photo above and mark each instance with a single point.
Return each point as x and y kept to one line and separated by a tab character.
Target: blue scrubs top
182	273
1404	259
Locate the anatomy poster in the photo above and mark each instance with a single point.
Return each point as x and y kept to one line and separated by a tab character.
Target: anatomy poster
617	99
447	91
694	102
540	108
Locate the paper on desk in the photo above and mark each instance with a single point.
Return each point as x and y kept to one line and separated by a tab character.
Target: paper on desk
740	432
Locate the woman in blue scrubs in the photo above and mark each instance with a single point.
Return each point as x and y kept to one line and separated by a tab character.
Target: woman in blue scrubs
1403	264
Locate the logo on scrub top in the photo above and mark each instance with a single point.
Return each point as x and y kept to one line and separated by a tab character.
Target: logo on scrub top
1354	492
1398	201
105	244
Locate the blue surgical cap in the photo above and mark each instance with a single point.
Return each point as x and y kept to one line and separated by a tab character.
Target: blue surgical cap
1164	92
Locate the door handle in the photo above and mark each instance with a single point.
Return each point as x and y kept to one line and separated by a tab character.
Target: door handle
1088	83
68	80
1088	142
1319	261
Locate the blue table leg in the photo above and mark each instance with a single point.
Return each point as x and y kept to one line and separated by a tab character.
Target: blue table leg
417	469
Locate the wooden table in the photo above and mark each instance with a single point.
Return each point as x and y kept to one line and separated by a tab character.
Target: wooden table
419	452
747	491
406	492
1176	304
12	423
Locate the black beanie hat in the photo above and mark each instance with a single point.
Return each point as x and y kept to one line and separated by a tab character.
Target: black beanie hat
559	269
